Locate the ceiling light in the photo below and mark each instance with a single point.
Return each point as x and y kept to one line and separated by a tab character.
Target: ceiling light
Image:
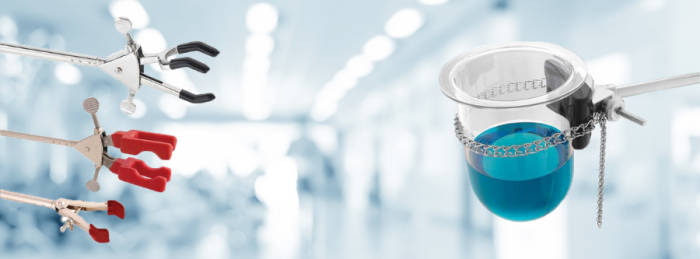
172	107
323	110
67	74
151	40
433	2
262	18
253	64
378	48
259	44
359	66
404	23
8	28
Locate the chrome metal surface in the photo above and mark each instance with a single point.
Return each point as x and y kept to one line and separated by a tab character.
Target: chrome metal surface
54	55
123	25
107	160
660	84
602	93
601	171
127	106
91	106
86	206
55	141
66	208
92	185
91	148
69	222
162	58
630	116
149	59
76	220
130	70
23	198
527	148
162	86
513	87
610	106
107	141
124	65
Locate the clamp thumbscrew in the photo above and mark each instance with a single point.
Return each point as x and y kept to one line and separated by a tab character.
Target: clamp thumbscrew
123	25
615	108
127	106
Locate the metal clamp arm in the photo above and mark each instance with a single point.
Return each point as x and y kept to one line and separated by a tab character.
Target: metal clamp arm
660	84
166	63
87	206
55	141
54	55
181	93
23	198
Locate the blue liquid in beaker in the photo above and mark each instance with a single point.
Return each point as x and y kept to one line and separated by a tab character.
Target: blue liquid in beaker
521	188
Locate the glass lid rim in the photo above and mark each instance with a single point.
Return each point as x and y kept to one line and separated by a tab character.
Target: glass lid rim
578	75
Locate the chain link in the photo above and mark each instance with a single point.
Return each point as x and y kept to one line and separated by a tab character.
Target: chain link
601	172
512	87
527	148
543	144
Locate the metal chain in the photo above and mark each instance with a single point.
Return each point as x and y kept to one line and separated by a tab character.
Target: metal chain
601	172
513	87
543	144
527	148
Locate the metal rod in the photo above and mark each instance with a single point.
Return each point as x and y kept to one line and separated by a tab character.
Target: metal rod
97	122
54	55
55	141
23	198
627	115
155	83
660	84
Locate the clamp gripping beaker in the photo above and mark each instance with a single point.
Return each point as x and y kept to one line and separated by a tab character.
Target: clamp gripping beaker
523	108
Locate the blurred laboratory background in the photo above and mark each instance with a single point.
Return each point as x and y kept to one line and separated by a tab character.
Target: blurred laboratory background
330	138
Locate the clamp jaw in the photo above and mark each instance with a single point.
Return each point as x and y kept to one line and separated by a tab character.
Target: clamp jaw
133	142
69	209
127	65
608	99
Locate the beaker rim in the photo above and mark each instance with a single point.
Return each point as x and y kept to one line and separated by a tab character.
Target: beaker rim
578	76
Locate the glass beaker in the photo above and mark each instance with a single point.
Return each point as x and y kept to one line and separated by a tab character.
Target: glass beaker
513	94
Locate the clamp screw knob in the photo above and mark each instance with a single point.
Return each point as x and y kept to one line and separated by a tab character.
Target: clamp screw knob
127	106
123	25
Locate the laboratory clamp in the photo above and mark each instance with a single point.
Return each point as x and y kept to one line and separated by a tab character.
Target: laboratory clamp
522	110
127	66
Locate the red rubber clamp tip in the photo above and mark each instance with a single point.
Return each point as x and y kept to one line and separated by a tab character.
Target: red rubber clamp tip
136	172
99	235
115	208
134	142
